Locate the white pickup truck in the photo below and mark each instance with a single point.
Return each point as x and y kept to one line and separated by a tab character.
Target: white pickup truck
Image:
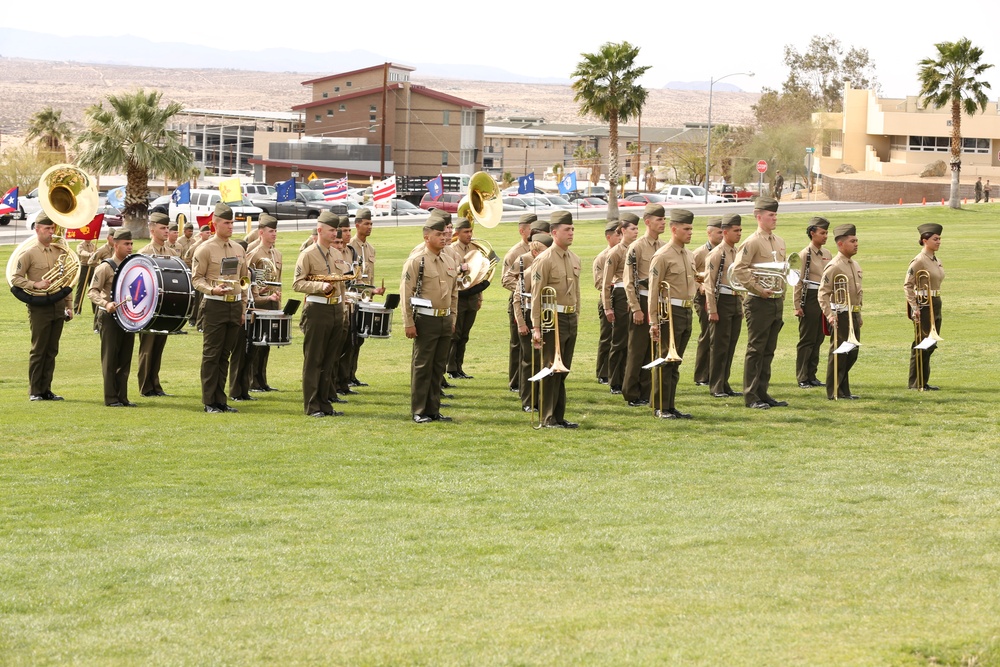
690	194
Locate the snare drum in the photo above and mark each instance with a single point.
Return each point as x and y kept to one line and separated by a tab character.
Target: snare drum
268	328
372	320
155	292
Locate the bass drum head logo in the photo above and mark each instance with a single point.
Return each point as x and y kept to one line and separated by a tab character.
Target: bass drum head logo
137	289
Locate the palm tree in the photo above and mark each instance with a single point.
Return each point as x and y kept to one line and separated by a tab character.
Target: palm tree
954	79
50	130
132	135
606	85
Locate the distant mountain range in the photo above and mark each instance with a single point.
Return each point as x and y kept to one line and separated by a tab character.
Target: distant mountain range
139	52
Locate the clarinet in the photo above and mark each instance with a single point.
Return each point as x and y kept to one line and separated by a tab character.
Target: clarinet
805	276
520	283
419	286
635	273
718	278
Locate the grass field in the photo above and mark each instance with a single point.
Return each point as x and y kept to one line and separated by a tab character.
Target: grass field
849	533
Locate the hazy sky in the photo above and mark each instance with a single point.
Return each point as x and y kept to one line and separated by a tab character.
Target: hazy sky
546	39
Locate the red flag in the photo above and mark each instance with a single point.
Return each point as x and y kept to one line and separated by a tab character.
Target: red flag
88	232
206	220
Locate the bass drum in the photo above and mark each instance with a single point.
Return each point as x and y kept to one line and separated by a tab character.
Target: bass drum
155	293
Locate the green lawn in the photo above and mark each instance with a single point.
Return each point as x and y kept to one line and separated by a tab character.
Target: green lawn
848	533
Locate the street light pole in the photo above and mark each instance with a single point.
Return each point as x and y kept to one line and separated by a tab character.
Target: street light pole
708	142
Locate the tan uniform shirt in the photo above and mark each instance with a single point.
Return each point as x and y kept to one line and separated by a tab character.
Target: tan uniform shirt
188	256
253	257
673	264
637	267
366	258
922	262
720	259
840	265
597	268
308	242
35	262
700	259
438	283
101	254
613	273
818	259
317	261
758	249
559	269
159	251
101	284
508	260
183	243
175	246
520	300
207	264
84	250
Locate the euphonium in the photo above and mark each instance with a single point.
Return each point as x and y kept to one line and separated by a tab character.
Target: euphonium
483	202
772	275
482	263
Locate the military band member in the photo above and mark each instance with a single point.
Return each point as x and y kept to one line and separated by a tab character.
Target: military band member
342	373
116	343
519	274
919	301
468	305
84	249
613	237
173	239
814	260
265	297
151	345
429	287
701	359
204	233
309	240
365	253
185	240
518	249
762	307
636	383
219	266
674	265
725	308
46	320
325	327
615	304
842	315
98	256
557	268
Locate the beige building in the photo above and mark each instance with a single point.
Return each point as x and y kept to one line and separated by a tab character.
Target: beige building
899	137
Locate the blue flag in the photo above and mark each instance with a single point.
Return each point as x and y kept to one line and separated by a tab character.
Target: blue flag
568	183
116	197
435	186
286	190
9	202
526	184
182	195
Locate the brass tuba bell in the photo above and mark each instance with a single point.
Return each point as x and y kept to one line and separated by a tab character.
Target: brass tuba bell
483	201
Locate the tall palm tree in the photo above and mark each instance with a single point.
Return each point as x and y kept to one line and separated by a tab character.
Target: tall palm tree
606	85
954	78
131	134
49	129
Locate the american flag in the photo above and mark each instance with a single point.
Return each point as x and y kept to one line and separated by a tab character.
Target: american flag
334	190
384	189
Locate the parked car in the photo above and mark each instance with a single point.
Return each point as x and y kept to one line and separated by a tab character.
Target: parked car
307	204
448	202
560	202
735	194
590	202
646	198
395	207
263	190
690	194
628	203
515	204
537	202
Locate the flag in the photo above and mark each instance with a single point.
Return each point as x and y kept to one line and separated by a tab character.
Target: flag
526	184
182	195
568	183
335	190
9	202
230	191
384	189
435	186
88	232
286	190
206	220
116	197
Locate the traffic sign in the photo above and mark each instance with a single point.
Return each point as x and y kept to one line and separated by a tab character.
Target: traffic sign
762	166
810	149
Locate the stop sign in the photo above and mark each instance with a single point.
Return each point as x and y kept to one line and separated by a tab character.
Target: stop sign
762	166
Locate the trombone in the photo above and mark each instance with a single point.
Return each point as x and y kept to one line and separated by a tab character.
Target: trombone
664	313
549	322
842	299
922	288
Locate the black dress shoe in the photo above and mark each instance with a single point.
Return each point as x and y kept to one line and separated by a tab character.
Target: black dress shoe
162	393
454	375
446	385
776	404
49	396
439	418
527	408
558	425
36	397
268	387
317	414
602	380
806	385
566	424
334	413
513	390
720	395
257	390
680	415
816	383
927	387
212	408
117	405
348	392
444	395
701	384
638	404
442	404
735	393
616	391
422	419
130	404
760	405
225	408
665	414
851	397
244	397
337	399
355	382
149	394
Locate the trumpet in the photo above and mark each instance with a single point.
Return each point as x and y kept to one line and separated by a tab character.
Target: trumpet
234	285
773	275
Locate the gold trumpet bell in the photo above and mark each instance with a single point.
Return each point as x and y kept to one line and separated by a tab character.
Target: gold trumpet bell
485	200
68	195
